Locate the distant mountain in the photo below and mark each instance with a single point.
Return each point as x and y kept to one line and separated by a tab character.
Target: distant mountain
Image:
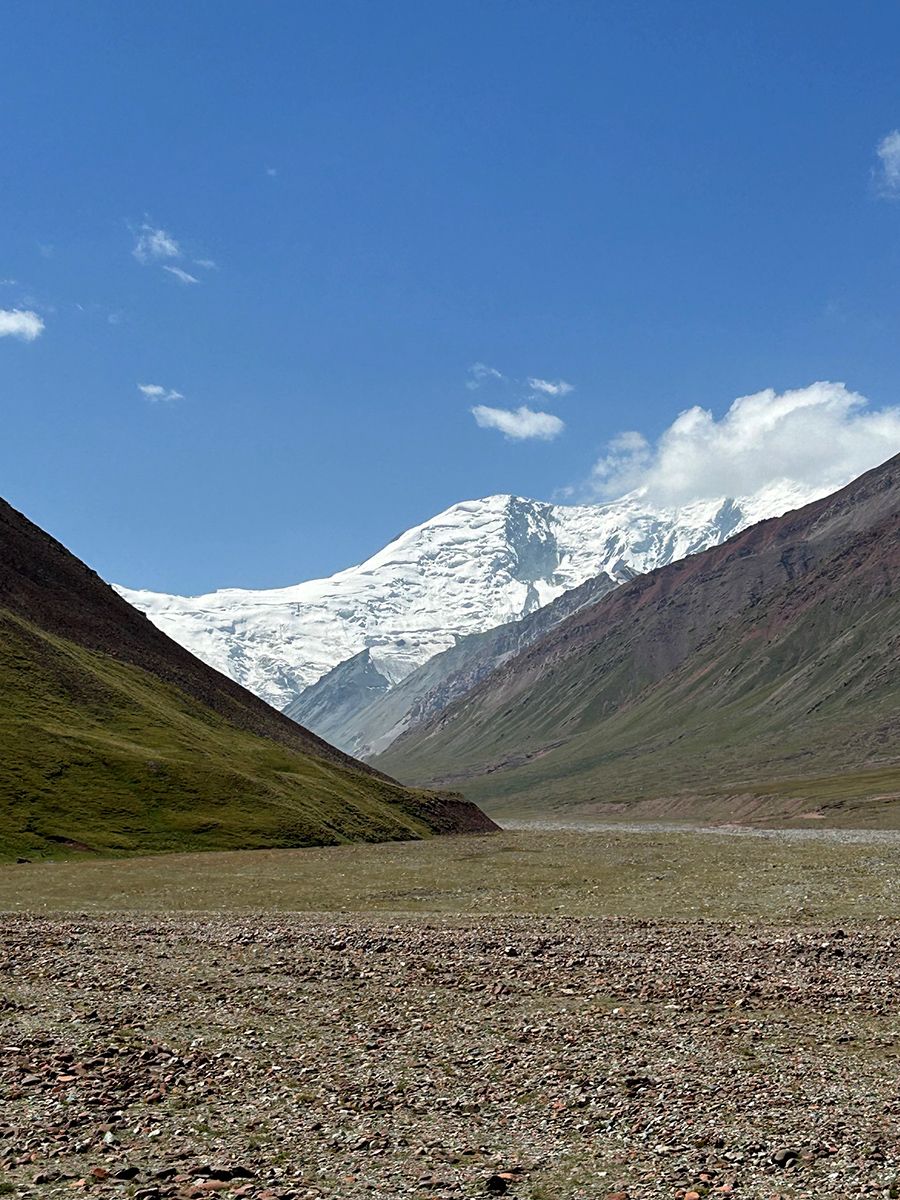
480	564
335	703
115	738
759	678
364	717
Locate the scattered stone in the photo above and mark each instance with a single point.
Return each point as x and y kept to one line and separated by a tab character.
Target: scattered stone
784	1158
244	1056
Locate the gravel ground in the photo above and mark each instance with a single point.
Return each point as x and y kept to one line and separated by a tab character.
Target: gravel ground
826	834
279	1057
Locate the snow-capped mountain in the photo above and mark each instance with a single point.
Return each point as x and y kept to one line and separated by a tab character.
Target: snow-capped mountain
479	564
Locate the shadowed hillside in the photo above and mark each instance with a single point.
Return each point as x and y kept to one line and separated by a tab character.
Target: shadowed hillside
114	738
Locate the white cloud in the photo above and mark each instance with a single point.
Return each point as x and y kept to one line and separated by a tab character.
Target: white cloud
480	373
155	392
550	387
821	436
519	423
181	276
20	323
888	151
206	263
154	244
271	172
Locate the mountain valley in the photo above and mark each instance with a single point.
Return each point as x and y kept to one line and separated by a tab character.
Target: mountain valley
756	680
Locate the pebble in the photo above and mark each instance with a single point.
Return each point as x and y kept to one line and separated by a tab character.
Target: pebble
342	1058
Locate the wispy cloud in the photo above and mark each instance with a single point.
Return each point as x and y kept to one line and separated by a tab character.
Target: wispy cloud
888	173
158	248
20	323
156	393
819	436
152	245
520	423
271	172
480	373
181	276
550	387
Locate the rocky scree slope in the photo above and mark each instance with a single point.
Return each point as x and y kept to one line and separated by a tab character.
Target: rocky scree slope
479	564
757	678
116	738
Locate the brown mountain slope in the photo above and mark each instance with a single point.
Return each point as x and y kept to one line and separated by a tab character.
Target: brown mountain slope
721	683
113	736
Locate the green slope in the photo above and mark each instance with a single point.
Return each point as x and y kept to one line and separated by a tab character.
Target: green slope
757	680
103	754
728	738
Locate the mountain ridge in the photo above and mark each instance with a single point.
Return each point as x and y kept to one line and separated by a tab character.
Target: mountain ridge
584	715
368	726
477	565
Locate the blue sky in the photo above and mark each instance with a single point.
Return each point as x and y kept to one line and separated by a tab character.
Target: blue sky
663	205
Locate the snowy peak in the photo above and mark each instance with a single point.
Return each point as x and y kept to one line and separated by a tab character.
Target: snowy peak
477	565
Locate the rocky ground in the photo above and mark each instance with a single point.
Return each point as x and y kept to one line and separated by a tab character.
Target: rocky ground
287	1057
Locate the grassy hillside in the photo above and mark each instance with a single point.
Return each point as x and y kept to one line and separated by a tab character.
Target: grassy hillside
756	680
103	754
741	736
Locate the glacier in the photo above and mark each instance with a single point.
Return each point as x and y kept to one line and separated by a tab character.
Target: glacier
479	564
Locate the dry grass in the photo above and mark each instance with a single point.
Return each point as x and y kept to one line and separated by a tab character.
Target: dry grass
611	872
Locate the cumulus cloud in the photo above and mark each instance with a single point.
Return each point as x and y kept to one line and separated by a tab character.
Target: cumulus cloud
154	244
480	373
155	392
181	276
888	176
20	323
519	423
819	436
550	387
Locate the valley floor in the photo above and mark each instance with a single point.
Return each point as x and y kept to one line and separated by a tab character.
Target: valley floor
565	1014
